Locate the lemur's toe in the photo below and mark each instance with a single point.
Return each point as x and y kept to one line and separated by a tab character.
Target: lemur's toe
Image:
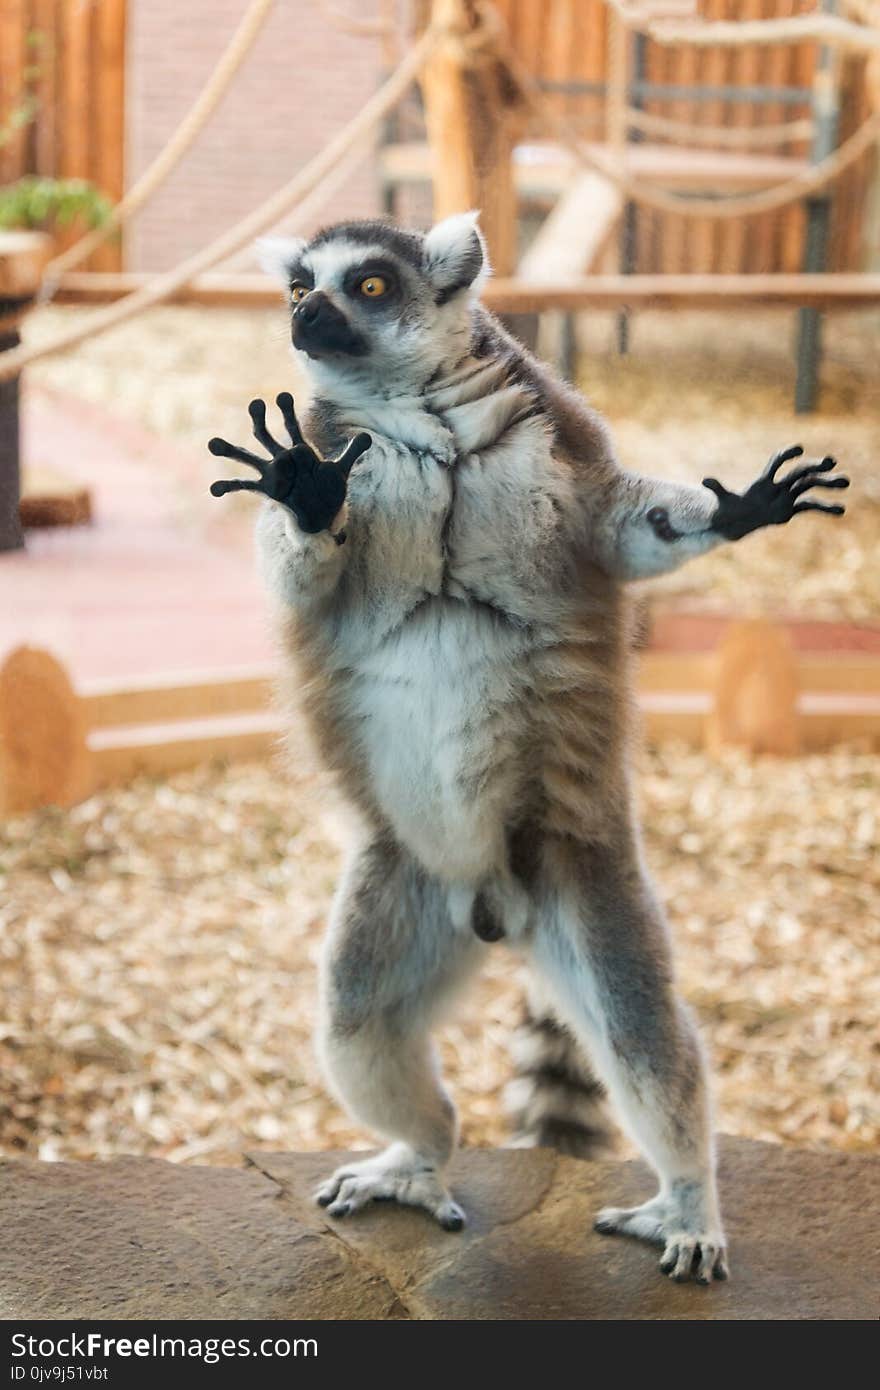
687	1257
451	1217
607	1222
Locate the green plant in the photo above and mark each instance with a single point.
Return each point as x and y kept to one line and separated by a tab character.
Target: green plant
25	111
41	202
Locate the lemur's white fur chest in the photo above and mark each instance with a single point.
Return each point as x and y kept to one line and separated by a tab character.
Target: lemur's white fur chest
440	676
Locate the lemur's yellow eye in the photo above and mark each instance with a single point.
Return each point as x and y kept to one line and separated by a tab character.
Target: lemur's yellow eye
373	287
298	292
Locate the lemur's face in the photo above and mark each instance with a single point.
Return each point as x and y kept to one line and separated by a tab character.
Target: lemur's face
369	300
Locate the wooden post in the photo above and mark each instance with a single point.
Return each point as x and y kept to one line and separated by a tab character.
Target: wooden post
107	171
23	257
471	109
756	692
871	244
44	757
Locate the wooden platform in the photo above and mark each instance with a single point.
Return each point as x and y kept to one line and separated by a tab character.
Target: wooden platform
543	170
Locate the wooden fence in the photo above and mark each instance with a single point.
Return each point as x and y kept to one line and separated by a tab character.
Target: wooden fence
62	94
754	691
566	41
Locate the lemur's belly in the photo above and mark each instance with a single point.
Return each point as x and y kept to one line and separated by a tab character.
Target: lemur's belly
441	715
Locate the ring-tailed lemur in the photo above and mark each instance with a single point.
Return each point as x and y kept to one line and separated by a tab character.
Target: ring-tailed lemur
448	543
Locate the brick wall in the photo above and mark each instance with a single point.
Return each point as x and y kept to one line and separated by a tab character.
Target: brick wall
301	82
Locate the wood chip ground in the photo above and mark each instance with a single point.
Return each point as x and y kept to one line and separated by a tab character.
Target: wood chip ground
158	950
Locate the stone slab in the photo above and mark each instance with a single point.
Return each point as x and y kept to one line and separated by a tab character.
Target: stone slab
497	1188
804	1231
142	1238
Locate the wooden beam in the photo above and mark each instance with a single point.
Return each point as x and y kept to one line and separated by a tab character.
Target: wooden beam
153	699
470	109
117	755
216	290
576	232
836	290
541	167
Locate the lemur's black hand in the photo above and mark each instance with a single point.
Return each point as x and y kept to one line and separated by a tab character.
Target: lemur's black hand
312	488
772	501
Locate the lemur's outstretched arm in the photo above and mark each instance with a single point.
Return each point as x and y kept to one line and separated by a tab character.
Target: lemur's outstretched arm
300	547
654	526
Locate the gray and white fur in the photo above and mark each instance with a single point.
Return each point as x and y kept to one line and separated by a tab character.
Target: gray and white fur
459	638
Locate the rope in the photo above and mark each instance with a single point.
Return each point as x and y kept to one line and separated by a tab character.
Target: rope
733	137
826	28
266	215
168	158
865	11
801	185
359	28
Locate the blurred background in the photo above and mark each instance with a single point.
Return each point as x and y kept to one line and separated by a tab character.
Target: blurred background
689	230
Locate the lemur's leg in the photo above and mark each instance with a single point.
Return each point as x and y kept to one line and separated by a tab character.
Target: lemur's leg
392	960
603	951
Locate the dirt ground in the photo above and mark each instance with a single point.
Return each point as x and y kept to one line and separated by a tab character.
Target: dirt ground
158	943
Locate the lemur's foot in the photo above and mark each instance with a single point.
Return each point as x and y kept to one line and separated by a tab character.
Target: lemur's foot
312	488
396	1175
692	1247
772	501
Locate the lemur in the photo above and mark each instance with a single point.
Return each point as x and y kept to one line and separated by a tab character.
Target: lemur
448	543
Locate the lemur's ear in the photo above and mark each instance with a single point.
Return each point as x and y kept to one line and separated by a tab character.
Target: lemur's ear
455	255
276	254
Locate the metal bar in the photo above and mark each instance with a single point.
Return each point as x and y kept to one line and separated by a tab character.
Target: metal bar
662	91
573	87
567	346
825	115
11	534
629	225
786	96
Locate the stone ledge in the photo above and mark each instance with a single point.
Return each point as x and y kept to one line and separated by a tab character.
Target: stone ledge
141	1238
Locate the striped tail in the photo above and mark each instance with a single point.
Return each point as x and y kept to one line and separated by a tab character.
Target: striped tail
554	1100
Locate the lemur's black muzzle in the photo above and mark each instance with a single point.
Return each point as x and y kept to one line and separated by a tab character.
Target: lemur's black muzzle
319	327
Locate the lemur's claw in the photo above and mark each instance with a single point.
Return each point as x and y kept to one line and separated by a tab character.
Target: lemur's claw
772	501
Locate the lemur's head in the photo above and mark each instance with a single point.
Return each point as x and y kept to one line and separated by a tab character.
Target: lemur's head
371	301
